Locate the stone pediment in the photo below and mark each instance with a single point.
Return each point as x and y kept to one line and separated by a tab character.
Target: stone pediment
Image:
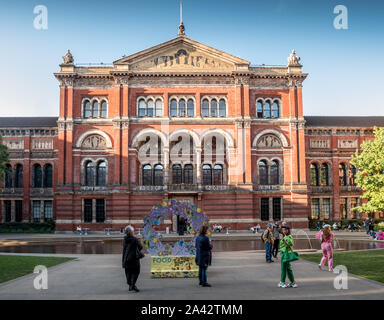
181	54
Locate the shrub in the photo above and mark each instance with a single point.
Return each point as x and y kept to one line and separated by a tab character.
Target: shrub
32	227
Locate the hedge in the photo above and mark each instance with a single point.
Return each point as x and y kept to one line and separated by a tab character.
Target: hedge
32	227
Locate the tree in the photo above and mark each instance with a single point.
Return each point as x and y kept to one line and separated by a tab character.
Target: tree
4	158
370	175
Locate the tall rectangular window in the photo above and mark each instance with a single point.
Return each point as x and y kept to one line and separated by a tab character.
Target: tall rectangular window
36	211
264	209
326	209
315	208
7	210
276	209
343	208
19	210
87	210
48	211
100	210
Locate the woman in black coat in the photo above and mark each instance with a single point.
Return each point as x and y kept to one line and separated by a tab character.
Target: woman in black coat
131	258
203	255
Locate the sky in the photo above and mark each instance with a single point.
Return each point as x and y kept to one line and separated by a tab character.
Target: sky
345	66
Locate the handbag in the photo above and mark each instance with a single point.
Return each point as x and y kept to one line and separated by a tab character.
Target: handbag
289	256
139	254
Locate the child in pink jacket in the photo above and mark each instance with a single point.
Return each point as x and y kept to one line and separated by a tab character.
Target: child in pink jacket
380	235
326	237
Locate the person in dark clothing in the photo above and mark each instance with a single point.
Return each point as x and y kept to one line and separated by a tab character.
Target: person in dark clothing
203	254
276	243
181	226
131	258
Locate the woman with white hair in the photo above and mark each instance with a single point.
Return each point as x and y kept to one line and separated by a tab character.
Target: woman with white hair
131	257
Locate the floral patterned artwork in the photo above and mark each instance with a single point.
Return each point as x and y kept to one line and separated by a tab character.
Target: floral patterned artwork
151	229
173	267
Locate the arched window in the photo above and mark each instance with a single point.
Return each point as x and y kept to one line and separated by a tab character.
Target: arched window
218	174
352	181
275	172
205	108
222	108
89	174
267	110
275	109
188	174
259	107
182	108
263	172
8	176
158	175
342	174
324	175
95	110
142	108
314	172
19	176
207	174
101	173
37	176
147	175
191	108
150	110
173	111
213	108
159	108
87	109
48	176
104	112
177	174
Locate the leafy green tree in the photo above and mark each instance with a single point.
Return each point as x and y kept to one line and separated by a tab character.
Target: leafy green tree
370	175
4	158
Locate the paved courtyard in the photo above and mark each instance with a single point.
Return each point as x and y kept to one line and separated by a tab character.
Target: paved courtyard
233	275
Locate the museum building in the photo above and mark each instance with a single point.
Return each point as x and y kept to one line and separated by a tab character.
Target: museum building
183	121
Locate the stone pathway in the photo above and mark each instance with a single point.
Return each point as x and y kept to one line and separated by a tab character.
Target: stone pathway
233	275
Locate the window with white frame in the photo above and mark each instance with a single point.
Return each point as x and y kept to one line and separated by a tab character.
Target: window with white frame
181	106
93	108
150	106
268	108
213	106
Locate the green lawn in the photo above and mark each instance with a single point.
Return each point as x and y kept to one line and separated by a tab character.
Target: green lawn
368	264
12	267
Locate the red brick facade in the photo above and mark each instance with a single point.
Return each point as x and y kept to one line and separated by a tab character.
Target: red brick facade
88	143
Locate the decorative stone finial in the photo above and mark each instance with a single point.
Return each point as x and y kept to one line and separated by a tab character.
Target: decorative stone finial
293	60
181	29
68	58
181	25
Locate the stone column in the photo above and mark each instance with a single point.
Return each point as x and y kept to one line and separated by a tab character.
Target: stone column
93	210
13	211
166	167
41	211
198	166
270	209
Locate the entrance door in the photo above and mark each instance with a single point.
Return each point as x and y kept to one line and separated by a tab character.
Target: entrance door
189	199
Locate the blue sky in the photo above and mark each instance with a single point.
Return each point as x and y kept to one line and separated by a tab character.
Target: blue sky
345	66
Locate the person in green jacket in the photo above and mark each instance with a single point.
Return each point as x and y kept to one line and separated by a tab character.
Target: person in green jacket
286	245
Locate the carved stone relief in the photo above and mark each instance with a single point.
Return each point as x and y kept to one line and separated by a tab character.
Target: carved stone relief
42	144
347	143
94	142
269	141
14	144
319	143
